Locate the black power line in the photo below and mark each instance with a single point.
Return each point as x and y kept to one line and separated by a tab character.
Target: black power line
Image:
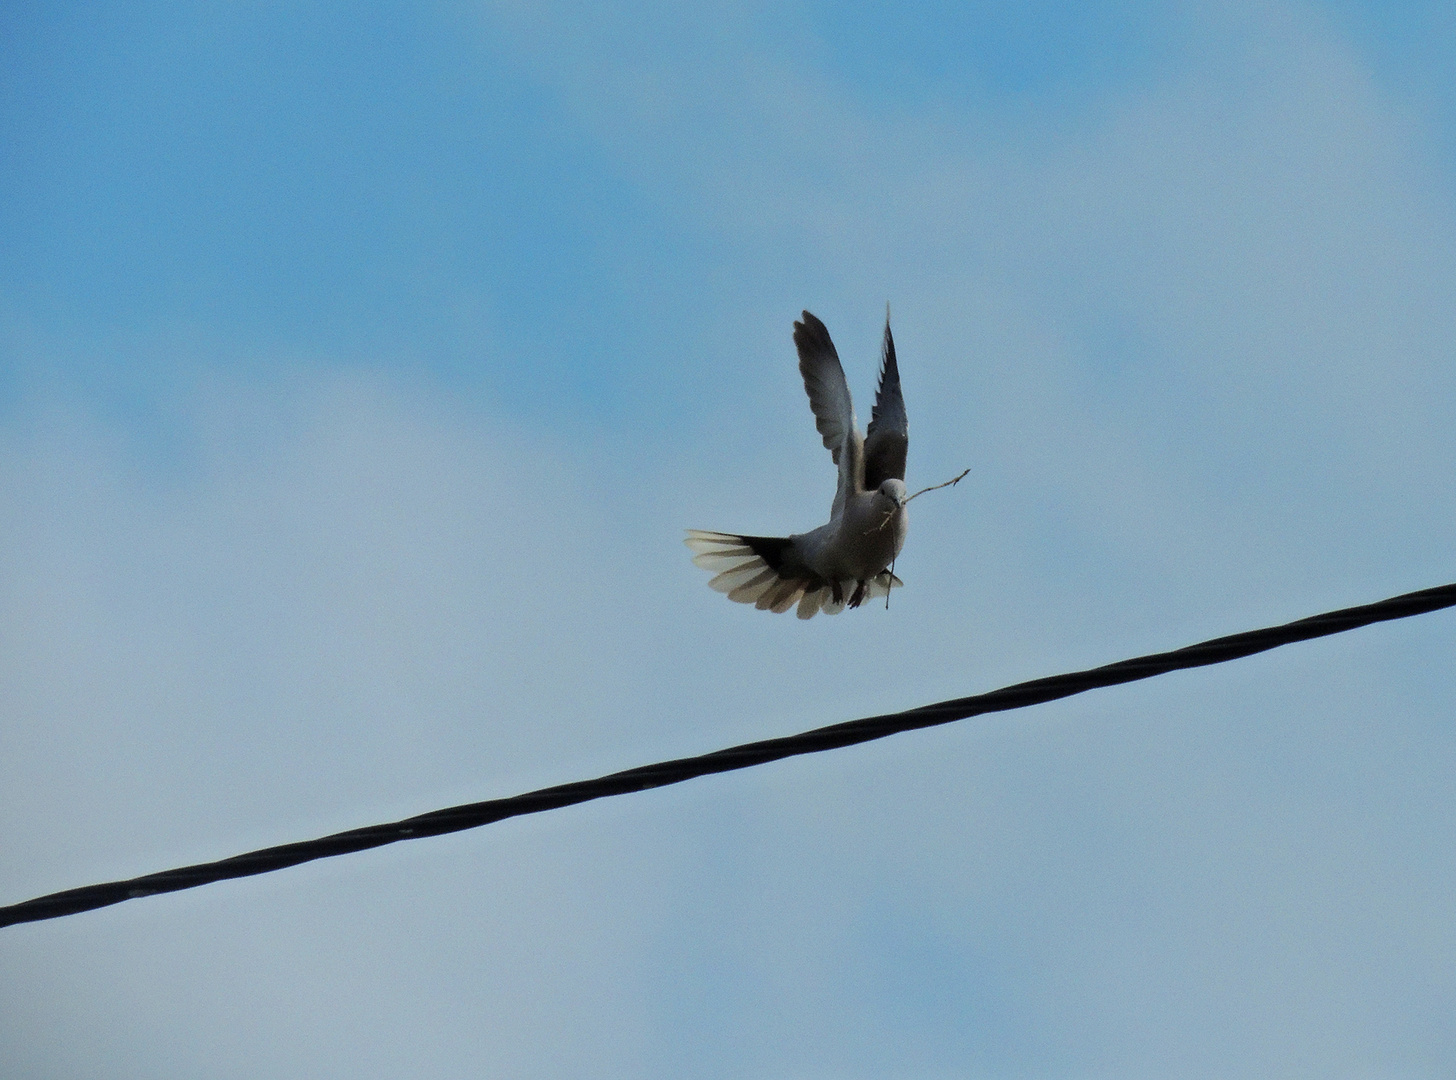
456	818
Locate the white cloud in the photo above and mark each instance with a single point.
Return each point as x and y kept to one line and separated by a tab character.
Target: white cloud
1196	351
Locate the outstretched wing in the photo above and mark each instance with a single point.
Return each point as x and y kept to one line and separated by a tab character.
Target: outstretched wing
888	437
824	383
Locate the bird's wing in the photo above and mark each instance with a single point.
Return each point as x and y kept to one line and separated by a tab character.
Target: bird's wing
824	383
888	437
833	408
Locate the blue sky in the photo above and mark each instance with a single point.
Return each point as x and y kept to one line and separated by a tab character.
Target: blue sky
361	365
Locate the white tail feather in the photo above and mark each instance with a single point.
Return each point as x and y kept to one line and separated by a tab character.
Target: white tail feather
833	606
729	580
749	591
700	541
881	584
717	560
780	597
810	604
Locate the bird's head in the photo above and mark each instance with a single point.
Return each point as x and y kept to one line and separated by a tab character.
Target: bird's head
894	491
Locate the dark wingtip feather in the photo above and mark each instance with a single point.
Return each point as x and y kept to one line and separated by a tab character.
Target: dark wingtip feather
810	332
888	367
891	406
887	437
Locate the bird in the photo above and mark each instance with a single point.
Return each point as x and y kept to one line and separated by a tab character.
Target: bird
847	560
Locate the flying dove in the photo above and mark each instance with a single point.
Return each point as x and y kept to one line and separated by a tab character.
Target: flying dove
842	563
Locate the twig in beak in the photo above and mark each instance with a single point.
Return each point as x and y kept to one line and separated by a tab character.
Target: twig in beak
934	487
937	487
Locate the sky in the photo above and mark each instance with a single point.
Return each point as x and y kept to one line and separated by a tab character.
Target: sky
361	365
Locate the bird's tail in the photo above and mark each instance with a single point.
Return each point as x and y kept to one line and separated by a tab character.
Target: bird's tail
754	570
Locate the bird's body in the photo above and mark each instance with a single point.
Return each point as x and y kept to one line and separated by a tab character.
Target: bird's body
845	561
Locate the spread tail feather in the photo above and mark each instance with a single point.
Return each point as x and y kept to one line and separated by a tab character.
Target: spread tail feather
752	570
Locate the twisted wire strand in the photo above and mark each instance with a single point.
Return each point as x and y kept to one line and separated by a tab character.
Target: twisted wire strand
663	773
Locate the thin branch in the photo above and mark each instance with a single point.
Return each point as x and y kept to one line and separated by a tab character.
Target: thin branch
937	487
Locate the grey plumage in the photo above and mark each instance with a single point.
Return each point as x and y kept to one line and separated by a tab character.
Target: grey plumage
843	562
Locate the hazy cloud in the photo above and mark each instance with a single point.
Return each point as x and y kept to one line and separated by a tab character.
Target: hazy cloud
1192	338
